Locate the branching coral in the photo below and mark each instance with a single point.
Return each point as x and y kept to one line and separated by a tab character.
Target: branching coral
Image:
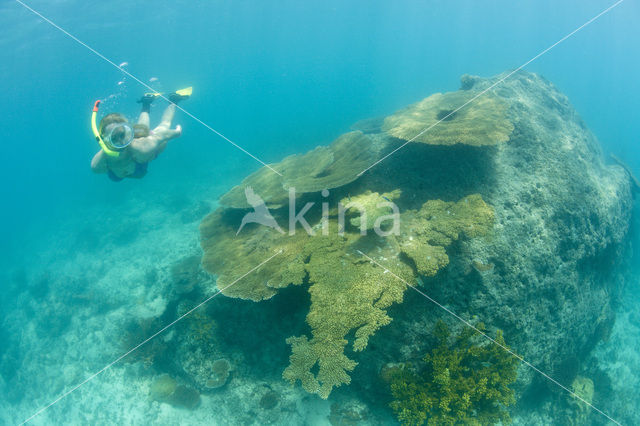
463	381
348	294
369	206
481	122
426	232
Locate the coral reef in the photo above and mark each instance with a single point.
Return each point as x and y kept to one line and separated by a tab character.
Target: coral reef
634	180
348	294
426	232
369	206
269	400
584	388
325	167
220	370
482	121
166	389
137	331
348	413
186	274
463	381
230	256
551	212
162	387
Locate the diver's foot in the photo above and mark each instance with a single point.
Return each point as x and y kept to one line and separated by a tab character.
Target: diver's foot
176	97
147	99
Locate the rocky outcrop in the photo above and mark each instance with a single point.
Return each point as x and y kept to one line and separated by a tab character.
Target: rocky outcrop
545	271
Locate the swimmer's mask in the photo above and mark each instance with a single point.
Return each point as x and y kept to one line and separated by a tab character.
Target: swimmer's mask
117	136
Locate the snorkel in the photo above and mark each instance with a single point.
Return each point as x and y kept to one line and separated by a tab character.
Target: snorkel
96	133
117	135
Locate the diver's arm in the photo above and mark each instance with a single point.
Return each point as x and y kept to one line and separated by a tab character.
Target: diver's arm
99	163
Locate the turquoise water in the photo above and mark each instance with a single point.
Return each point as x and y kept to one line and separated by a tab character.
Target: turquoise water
81	254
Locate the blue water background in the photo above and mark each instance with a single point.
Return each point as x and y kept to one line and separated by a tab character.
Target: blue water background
275	77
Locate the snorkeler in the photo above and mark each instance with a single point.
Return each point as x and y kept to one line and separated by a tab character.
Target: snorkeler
125	149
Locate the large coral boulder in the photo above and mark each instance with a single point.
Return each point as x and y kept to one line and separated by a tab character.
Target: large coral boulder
508	215
550	274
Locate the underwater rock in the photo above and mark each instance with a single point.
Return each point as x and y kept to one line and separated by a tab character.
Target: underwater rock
162	388
198	352
482	121
269	400
584	388
220	370
325	167
553	264
185	397
348	413
634	180
165	389
186	274
527	235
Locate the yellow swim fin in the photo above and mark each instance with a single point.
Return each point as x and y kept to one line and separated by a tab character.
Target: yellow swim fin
180	95
185	92
174	97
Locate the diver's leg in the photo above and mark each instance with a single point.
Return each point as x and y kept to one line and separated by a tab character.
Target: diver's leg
167	116
144	116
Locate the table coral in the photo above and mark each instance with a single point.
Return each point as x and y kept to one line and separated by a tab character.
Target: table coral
230	256
481	122
425	232
349	295
324	167
369	206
